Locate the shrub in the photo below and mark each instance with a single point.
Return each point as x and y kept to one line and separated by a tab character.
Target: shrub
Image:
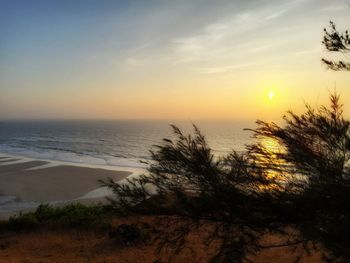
71	215
26	221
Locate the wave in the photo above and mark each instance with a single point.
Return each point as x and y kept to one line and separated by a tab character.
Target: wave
70	156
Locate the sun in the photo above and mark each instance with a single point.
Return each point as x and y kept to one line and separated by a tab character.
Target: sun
271	94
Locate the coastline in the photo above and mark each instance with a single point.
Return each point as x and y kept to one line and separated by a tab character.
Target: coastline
25	182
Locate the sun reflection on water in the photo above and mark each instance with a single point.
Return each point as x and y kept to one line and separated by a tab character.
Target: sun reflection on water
274	166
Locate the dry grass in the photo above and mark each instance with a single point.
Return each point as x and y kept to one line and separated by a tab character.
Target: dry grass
67	245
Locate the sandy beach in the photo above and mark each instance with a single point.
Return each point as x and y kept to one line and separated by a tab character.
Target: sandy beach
35	181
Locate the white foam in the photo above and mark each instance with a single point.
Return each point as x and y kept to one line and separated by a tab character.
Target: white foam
122	165
69	157
105	191
97	193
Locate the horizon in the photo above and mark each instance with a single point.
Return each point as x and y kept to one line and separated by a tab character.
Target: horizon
175	131
165	60
125	119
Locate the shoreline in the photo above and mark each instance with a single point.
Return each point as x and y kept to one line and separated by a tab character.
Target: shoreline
56	162
25	182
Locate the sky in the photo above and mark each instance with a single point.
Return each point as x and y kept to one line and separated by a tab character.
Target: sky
153	59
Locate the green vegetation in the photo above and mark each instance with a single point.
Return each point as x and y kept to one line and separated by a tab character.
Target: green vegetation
68	216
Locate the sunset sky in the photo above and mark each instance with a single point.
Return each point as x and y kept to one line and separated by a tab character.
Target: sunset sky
187	59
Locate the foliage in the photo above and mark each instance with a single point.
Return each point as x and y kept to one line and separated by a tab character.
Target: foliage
71	215
316	150
25	221
187	180
336	42
200	185
303	182
316	144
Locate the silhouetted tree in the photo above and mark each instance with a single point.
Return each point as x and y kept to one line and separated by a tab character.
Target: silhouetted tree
316	144
185	179
302	181
335	41
187	170
314	163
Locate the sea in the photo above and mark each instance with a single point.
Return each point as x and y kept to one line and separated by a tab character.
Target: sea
124	143
115	145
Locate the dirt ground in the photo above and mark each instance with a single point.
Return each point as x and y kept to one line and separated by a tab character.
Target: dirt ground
90	246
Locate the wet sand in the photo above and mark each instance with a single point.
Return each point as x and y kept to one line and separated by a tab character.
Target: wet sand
63	182
3	160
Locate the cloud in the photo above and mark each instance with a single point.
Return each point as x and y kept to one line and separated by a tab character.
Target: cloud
276	14
224	69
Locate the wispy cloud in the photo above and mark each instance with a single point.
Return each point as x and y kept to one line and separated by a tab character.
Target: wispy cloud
276	14
49	45
240	36
224	69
